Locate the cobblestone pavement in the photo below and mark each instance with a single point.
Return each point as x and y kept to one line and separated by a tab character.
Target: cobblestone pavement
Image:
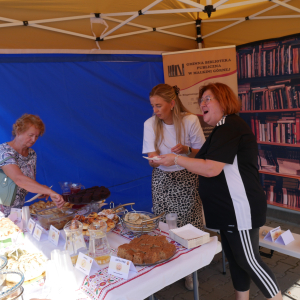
216	286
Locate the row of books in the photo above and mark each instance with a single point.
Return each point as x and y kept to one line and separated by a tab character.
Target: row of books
273	129
286	193
278	96
269	59
269	161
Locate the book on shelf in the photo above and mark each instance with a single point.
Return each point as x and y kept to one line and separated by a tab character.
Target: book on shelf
280	57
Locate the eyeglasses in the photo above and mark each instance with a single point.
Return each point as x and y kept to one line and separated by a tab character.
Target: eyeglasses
205	99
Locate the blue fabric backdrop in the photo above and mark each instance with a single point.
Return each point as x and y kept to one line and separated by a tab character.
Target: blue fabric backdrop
94	107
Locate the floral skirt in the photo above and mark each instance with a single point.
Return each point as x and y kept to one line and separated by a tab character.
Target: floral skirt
177	192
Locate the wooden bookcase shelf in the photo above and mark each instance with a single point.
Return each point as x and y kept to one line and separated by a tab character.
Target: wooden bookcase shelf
269	111
279	144
269	89
284	206
279	174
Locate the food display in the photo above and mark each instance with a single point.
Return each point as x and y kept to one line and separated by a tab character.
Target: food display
110	213
31	265
40	205
141	222
94	217
57	217
8	228
146	250
89	195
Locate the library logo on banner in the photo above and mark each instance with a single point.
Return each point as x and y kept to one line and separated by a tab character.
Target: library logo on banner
176	70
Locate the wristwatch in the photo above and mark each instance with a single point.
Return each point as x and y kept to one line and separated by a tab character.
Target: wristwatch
189	151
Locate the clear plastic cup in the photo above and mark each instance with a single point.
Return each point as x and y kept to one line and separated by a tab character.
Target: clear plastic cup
25	215
171	220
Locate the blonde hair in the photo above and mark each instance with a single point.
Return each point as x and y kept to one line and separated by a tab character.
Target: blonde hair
224	95
26	121
168	93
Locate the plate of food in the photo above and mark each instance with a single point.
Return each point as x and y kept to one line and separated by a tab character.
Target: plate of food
140	221
147	250
40	205
94	217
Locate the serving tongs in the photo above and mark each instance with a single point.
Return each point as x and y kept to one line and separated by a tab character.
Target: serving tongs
122	205
154	218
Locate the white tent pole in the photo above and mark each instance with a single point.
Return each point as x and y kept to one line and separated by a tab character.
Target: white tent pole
276	17
225	6
131	24
127	34
131	18
63	31
287	5
120	25
11	24
220	3
242	20
175	34
228	26
61	19
178	25
202	7
221	20
173	11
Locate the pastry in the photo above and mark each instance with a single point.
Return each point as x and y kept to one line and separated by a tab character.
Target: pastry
7	228
147	249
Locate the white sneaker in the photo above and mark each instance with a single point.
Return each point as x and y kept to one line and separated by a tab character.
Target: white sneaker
189	282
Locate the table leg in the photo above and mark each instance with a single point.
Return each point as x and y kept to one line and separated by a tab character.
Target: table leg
195	283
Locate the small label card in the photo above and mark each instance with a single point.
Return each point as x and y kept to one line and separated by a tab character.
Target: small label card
37	233
30	225
53	235
285	238
85	263
18	213
120	267
273	234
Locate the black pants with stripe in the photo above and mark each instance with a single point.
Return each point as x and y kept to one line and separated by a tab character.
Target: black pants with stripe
242	252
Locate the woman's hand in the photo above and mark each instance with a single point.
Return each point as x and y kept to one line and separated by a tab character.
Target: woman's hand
153	163
167	160
43	196
57	199
180	149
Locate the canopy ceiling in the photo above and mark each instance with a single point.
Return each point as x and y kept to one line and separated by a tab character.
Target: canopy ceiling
66	24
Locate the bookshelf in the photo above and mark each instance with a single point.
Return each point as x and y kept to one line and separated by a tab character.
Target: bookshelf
269	90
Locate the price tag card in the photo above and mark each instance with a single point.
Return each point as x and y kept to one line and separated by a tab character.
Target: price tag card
53	235
37	233
273	234
85	263
120	267
30	225
285	238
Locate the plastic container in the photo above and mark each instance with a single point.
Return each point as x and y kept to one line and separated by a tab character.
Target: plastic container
189	236
57	217
15	291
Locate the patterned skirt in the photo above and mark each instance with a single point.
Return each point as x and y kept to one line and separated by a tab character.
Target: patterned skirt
177	192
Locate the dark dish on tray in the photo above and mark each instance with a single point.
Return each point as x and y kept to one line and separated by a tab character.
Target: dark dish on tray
92	194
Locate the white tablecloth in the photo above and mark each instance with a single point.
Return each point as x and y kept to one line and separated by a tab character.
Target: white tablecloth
148	279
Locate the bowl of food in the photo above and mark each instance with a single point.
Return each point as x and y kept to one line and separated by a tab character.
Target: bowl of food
57	217
140	221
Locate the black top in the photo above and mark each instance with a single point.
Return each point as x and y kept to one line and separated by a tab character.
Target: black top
233	200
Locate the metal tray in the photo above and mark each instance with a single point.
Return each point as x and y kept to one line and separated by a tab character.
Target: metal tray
145	227
156	263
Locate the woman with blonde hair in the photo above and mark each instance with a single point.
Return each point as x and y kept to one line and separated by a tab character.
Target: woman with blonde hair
18	161
173	129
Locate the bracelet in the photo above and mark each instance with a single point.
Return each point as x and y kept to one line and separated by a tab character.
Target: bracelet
175	160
